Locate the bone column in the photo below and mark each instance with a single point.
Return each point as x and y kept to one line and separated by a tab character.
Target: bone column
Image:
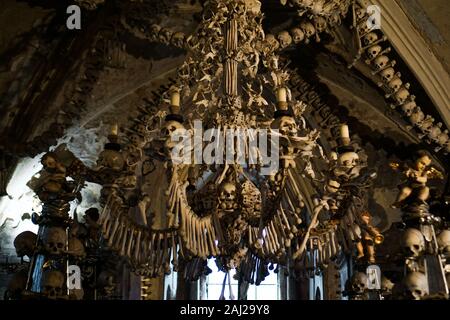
231	65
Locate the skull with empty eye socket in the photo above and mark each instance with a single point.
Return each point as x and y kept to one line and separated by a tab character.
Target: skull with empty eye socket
286	125
170	133
348	166
228	196
54	239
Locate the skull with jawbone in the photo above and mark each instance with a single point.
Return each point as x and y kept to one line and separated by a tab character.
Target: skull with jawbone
228	196
286	126
170	129
347	165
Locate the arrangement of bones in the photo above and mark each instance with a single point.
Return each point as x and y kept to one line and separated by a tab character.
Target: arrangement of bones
160	214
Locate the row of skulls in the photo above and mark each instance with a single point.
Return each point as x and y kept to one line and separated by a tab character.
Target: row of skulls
302	33
392	83
415	284
54	242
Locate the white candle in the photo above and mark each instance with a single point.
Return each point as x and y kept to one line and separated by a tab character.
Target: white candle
175	99
345	134
281	95
115	130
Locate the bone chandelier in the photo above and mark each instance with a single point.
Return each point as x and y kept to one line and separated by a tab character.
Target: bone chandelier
159	212
231	210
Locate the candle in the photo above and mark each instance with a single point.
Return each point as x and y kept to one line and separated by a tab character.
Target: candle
345	134
281	94
175	99
114	129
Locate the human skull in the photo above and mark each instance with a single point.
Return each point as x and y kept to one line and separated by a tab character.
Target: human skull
408	107
170	128
416	285
140	129
386	286
111	159
54	239
401	95
443	138
297	35
154	30
370	38
178	39
25	243
381	62
285	39
443	240
286	126
16	285
272	42
308	29
165	35
387	74
373	51
435	131
359	283
363	28
137	140
321	24
227	196
413	242
253	6
76	248
395	84
417	116
348	160
52	283
106	282
360	13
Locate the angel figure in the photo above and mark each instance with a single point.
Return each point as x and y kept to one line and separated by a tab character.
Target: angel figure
416	182
369	237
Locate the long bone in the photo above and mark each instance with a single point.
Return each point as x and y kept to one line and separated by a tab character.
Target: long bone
273	237
117	241
198	238
193	223
294	209
115	227
137	245
279	230
131	241
207	251
164	254
174	252
211	238
125	239
142	253
316	211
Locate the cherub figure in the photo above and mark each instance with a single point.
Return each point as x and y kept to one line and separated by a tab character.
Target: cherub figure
417	178
369	237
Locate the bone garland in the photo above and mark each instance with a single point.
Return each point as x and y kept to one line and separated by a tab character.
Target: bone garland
390	82
158	34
